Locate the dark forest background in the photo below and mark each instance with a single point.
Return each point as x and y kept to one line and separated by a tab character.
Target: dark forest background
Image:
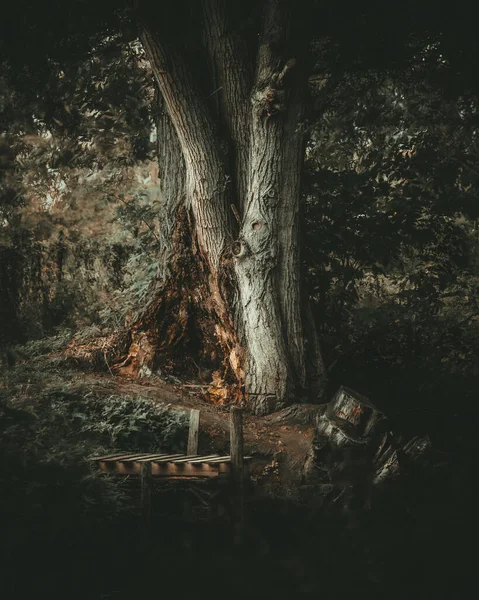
390	257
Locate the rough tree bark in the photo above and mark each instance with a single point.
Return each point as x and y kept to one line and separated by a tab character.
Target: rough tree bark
172	185
242	150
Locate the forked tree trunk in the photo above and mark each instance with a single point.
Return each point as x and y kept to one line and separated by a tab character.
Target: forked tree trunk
242	156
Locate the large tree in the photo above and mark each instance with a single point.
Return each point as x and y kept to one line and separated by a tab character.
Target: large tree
232	115
231	147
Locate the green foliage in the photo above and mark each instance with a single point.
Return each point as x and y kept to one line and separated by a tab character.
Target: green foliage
45	345
71	129
390	249
47	438
139	216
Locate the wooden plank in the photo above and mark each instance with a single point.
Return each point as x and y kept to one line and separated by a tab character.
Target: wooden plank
168	458
134	457
166	470
108	467
184	470
186	458
146	487
199	470
121	468
201	459
152	457
193	431
217	459
128	468
225	459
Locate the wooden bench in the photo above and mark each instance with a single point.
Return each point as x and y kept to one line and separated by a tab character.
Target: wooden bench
190	466
167	465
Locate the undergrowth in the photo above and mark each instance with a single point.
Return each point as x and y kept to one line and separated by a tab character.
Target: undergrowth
50	428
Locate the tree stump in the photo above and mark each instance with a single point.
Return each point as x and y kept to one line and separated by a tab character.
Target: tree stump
354	451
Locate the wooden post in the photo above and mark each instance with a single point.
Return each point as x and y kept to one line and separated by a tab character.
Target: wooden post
237	470
146	494
193	432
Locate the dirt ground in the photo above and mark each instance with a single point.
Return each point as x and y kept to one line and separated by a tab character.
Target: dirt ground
280	443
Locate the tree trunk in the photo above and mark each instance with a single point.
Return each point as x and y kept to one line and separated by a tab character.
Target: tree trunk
242	152
172	175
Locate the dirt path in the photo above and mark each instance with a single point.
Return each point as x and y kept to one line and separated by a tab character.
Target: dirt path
283	439
280	442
